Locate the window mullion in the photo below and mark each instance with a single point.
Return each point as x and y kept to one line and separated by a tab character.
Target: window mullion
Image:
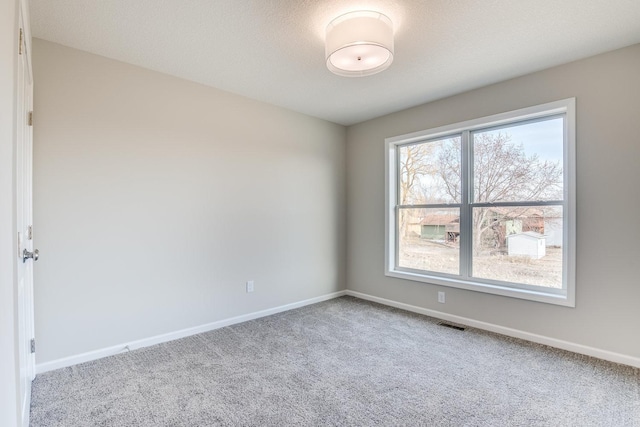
465	208
396	242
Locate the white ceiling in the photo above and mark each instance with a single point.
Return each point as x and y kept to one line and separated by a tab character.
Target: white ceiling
273	50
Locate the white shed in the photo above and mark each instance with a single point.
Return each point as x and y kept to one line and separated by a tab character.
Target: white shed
529	244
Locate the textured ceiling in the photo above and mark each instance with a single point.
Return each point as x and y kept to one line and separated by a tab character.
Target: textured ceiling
273	50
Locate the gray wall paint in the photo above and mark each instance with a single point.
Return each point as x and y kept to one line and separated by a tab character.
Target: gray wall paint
607	91
157	198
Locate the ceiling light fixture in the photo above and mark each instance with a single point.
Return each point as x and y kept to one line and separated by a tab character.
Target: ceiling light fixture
359	44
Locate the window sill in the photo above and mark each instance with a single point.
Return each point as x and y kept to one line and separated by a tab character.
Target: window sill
526	294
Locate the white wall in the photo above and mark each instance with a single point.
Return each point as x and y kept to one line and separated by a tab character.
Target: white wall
9	401
607	91
156	199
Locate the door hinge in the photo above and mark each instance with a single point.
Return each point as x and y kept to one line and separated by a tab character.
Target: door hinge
30	232
33	345
20	45
30	118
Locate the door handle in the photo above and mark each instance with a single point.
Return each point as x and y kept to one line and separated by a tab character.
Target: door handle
26	255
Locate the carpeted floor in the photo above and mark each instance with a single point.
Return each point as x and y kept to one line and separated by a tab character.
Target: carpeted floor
343	362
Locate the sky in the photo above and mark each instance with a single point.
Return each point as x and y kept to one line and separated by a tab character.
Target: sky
542	137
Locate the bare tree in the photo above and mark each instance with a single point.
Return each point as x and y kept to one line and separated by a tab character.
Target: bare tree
448	169
502	172
415	162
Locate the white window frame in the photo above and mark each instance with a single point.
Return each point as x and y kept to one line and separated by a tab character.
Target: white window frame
565	296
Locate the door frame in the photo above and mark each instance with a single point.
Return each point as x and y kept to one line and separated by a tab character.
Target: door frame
11	413
24	213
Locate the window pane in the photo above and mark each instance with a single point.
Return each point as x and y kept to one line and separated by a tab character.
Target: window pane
518	244
519	163
430	172
429	239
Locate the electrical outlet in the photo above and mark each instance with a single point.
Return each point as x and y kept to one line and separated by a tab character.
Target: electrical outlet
250	286
441	297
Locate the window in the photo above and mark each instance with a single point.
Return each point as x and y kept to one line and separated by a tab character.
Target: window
487	205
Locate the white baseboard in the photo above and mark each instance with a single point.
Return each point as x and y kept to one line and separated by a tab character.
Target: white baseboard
146	342
515	333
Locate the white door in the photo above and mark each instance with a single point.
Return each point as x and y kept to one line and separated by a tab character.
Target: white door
26	253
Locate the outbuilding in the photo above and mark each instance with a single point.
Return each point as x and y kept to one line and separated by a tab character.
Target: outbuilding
529	244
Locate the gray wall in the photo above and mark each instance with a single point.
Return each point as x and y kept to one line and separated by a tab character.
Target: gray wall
607	91
156	199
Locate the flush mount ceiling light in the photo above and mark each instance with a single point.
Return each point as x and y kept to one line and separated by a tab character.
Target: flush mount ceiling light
359	44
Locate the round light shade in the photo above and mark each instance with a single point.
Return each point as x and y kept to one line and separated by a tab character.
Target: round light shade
359	44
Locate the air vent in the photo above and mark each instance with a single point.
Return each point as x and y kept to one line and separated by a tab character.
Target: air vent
452	326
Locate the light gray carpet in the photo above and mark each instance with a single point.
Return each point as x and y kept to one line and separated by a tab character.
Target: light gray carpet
343	362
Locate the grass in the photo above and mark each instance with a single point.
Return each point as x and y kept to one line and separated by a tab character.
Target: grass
423	254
